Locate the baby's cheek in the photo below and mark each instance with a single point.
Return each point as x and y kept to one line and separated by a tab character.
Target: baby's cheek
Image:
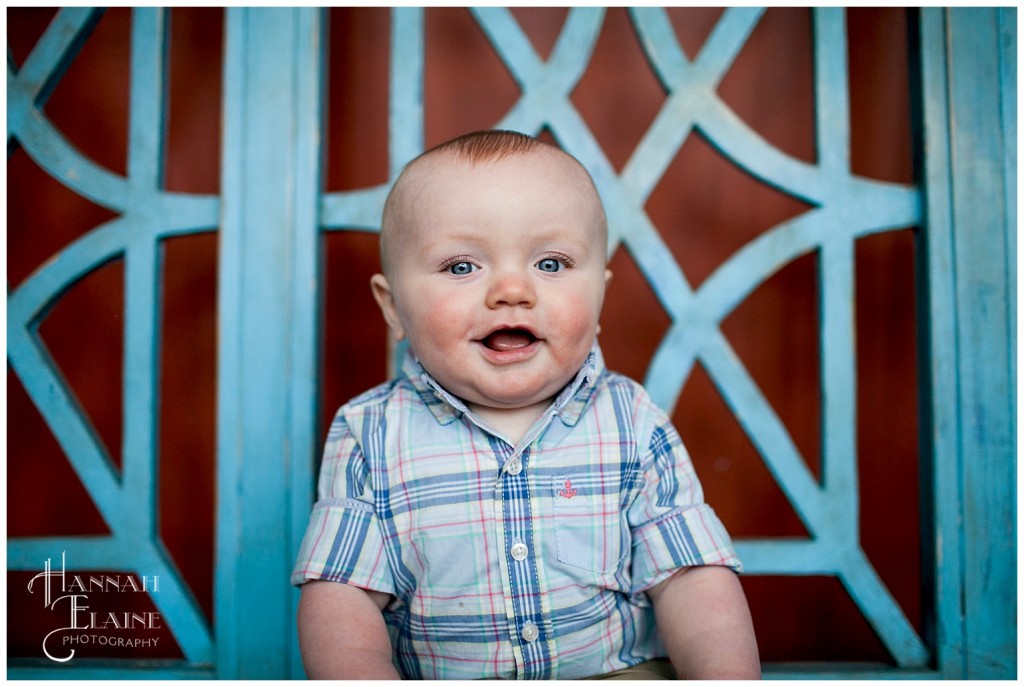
578	316
441	321
578	326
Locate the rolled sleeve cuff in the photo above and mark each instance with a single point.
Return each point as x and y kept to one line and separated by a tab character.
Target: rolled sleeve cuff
682	538
343	544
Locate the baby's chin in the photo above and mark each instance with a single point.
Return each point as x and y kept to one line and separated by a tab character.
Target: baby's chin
504	401
505	388
510	396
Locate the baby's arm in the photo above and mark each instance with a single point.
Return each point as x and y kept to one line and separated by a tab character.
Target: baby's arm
342	634
705	624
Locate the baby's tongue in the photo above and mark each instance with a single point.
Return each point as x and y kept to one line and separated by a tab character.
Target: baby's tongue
508	339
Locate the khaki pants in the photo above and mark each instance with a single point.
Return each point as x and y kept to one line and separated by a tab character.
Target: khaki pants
658	669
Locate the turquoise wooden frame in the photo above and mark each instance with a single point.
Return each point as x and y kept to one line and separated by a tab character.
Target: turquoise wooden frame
271	215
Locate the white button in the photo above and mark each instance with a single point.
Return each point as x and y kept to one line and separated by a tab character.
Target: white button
514	467
530	632
519	551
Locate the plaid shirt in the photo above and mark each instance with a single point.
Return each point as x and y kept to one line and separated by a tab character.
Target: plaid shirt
526	561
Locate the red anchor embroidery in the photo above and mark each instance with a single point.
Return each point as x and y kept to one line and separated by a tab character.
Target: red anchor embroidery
567	491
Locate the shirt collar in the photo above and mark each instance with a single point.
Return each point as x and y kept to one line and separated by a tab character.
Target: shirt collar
447	408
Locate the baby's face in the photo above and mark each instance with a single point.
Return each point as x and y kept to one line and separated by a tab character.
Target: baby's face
498	275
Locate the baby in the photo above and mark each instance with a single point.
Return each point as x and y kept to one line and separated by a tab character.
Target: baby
507	507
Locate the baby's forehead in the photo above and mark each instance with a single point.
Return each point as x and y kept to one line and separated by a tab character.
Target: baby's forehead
437	180
437	168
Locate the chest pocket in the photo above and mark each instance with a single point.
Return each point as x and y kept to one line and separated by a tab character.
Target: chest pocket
589	529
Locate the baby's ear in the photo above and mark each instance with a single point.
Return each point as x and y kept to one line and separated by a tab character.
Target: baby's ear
385	298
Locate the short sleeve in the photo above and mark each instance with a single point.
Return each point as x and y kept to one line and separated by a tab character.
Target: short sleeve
672	525
343	541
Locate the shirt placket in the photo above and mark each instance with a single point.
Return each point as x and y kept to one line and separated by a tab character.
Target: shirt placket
528	630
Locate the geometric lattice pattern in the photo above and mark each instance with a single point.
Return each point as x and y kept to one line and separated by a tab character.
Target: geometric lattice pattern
147	215
285	43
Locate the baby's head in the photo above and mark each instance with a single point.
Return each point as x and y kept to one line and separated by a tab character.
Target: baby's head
493	248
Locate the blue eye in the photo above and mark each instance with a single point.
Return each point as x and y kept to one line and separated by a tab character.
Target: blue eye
461	268
550	265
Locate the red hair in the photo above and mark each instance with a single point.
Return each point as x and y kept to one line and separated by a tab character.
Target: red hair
480	146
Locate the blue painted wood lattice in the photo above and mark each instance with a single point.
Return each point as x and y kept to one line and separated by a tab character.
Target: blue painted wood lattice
270	215
147	215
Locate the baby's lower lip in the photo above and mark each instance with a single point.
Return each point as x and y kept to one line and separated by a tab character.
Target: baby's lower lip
508	347
504	340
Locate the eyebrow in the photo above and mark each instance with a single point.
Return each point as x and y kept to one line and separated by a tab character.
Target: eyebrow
555	240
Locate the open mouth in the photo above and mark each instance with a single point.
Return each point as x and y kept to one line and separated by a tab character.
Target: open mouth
508	339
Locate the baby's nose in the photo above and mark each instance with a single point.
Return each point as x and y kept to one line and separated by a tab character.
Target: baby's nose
511	289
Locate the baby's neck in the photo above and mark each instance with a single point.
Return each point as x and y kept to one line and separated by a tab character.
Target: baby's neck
513	423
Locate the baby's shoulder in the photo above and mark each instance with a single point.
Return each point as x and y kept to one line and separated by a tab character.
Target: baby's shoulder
372	397
375	402
618	383
364	414
375	399
629	398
